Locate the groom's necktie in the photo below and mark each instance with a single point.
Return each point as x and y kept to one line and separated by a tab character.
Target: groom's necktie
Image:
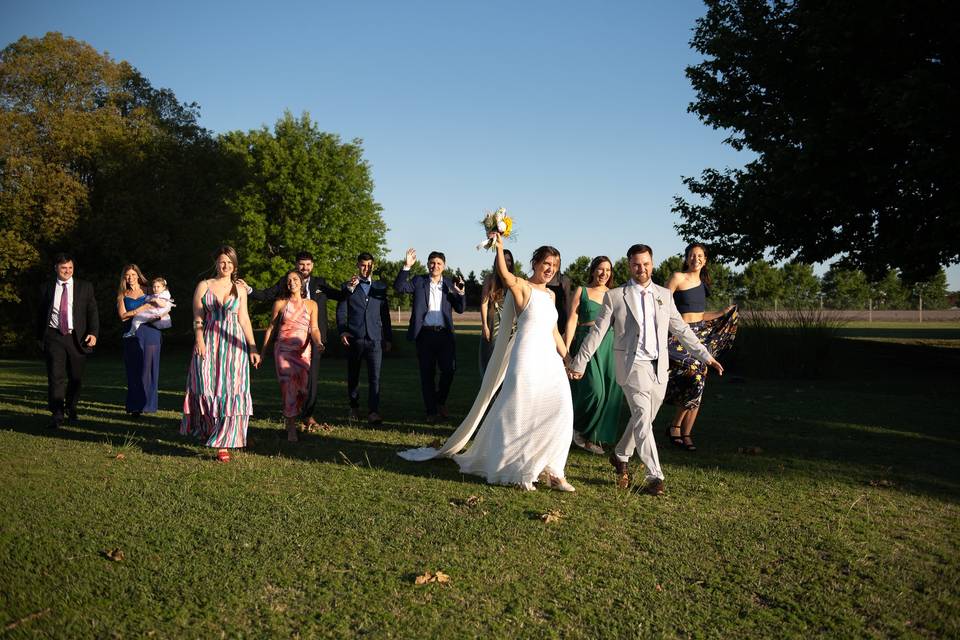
649	328
64	311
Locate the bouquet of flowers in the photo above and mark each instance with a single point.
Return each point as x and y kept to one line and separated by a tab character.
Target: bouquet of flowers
499	222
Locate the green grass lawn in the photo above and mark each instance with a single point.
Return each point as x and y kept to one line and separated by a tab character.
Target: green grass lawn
845	524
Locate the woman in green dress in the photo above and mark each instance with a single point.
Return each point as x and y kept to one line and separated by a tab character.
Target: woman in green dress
596	396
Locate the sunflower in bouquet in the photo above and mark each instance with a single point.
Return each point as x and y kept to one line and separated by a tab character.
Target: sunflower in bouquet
496	222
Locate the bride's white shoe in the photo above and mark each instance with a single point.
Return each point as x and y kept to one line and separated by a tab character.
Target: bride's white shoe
526	486
555	483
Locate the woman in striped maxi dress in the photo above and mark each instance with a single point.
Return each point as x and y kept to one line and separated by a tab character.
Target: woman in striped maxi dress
217	405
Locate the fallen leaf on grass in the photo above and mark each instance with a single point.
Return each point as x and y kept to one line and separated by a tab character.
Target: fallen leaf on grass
116	555
553	515
471	502
427	578
750	451
120	456
659	588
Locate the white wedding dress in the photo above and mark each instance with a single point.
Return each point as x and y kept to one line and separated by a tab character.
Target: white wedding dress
530	425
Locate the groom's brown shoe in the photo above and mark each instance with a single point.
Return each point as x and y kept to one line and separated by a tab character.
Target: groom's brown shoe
654	487
623	472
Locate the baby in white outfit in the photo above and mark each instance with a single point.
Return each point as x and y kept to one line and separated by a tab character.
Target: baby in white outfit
156	310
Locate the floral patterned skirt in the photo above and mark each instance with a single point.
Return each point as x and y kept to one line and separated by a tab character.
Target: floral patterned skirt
687	374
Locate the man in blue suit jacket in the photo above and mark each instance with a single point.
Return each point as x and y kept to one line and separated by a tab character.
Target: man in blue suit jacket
363	320
435	298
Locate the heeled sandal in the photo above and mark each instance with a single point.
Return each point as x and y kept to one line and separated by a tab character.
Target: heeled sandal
689	446
223	455
675	440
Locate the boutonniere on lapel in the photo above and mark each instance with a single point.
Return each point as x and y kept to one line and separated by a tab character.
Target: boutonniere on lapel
659	301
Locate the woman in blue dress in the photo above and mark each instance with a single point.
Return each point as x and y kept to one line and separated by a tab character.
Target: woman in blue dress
141	351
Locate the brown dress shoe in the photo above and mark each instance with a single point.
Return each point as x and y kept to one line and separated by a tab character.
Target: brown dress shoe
623	472
375	418
654	487
442	411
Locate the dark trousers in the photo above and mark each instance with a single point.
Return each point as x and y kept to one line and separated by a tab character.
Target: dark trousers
435	349
369	351
311	400
65	364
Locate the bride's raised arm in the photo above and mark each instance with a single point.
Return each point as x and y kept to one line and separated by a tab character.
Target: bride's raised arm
517	286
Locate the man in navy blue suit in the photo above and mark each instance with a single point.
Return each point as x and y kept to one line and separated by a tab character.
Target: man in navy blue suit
435	298
363	320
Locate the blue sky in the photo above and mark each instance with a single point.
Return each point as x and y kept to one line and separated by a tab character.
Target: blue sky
572	115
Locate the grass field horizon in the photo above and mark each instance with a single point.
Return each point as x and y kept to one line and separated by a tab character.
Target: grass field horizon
824	507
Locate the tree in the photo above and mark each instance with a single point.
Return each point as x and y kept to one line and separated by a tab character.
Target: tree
577	271
762	284
800	286
661	275
388	270
890	293
843	104
934	291
846	288
621	272
298	188
723	285
473	289
93	159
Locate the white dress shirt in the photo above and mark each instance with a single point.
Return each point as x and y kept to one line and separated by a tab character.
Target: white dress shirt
434	317
644	299
55	312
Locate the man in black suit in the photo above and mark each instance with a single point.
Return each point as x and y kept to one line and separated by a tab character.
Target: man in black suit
363	319
67	328
319	291
435	298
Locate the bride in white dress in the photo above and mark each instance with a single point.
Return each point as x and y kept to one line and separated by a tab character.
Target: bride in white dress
525	437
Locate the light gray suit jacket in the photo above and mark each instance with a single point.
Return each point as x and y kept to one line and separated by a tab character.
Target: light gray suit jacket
619	309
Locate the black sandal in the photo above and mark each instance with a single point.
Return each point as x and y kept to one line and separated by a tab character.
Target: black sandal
689	446
675	440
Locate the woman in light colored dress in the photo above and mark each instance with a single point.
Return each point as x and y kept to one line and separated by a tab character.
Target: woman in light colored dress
525	436
296	336
217	405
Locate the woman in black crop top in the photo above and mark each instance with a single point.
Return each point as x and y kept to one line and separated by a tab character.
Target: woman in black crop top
716	330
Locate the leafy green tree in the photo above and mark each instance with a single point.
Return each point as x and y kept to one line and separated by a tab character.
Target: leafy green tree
762	284
890	292
577	271
621	272
854	154
298	188
723	286
846	288
472	289
661	275
934	291
800	286
96	161
388	270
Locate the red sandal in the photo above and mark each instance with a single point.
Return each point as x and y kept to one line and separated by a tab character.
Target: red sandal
223	455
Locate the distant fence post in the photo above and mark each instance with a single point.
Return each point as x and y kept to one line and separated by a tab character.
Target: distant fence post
870	310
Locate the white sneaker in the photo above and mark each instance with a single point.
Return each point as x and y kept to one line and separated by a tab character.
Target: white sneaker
526	486
560	484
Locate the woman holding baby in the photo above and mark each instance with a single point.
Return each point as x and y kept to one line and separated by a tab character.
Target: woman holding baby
143	315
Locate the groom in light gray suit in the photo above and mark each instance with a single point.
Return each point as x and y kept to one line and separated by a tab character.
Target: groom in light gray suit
642	313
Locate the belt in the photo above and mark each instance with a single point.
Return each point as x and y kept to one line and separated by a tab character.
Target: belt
434	327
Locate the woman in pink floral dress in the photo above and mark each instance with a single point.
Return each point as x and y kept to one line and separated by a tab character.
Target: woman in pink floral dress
295	333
